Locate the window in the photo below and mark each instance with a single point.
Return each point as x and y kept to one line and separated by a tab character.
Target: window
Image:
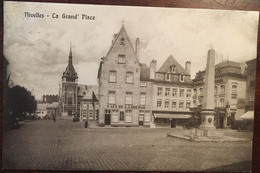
188	94
174	104
159	91
129	77
142	98
121	59
194	103
181	92
69	100
122	41
112	76
187	104
90	105
181	77
114	116
167	76
216	104
143	84
174	92
128	98
167	91
112	97
200	91
159	103
222	89
84	115
122	116
166	104
181	105
234	89
222	102
173	68
195	92
147	117
90	115
128	116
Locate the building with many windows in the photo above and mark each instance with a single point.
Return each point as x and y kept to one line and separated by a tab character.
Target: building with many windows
229	92
172	96
123	97
88	111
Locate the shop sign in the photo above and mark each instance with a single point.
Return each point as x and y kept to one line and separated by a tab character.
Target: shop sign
126	106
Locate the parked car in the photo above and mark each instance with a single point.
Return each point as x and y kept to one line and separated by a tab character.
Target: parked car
75	118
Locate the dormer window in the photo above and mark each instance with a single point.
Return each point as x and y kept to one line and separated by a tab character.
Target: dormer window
181	77
122	41
167	76
173	69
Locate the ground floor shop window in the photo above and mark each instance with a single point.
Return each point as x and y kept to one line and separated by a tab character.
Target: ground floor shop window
122	116
147	117
114	116
128	116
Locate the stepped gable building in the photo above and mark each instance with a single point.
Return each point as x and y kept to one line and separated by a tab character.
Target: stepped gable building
69	92
229	92
122	99
172	97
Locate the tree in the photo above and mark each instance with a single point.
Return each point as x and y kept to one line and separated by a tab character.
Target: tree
21	101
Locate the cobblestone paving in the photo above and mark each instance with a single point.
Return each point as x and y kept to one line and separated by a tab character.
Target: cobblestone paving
69	146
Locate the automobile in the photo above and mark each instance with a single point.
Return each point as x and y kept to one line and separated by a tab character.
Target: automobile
75	118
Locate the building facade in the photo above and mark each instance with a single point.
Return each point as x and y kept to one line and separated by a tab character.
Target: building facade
69	89
229	92
88	111
122	100
172	96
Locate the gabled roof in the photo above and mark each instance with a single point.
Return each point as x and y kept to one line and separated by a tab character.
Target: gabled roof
90	89
169	62
121	33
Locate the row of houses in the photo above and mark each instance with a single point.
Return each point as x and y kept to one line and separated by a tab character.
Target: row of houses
131	93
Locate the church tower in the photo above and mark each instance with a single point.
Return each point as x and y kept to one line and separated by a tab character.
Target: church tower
69	89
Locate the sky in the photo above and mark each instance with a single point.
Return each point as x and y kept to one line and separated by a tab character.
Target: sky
38	48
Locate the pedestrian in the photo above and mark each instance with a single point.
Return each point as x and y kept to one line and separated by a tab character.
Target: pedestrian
54	119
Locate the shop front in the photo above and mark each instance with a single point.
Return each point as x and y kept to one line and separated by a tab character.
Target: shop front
173	120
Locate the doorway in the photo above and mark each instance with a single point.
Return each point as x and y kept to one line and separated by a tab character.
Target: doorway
107	119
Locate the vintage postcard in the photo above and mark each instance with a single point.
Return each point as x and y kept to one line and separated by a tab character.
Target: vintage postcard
120	88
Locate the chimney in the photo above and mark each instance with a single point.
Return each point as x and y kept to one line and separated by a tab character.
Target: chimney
187	66
137	43
114	38
153	64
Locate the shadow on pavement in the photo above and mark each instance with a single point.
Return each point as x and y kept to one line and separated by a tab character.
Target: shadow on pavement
245	166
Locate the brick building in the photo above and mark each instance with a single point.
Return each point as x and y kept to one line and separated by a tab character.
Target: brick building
123	98
229	92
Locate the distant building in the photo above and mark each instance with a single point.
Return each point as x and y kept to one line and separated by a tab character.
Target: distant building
52	110
41	110
86	109
172	96
230	92
122	99
50	98
69	89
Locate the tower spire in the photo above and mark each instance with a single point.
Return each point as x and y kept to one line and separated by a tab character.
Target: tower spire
70	55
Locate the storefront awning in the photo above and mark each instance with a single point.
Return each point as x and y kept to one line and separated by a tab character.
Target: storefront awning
249	115
174	116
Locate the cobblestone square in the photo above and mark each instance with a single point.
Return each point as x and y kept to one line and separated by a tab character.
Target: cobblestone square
43	145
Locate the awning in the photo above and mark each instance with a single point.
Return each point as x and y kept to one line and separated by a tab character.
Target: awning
249	115
174	116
